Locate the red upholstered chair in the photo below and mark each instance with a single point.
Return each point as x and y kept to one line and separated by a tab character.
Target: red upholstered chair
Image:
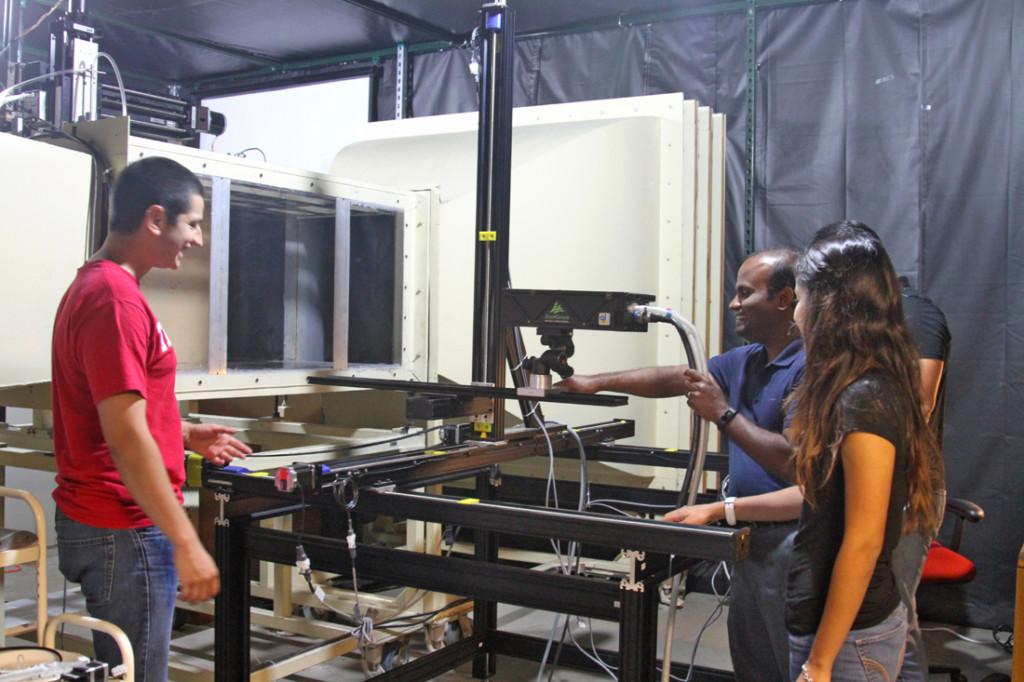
946	566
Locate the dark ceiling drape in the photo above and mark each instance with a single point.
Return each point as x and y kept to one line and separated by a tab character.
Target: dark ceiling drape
902	114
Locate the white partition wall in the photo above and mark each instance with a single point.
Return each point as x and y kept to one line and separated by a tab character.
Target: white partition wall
614	195
46	189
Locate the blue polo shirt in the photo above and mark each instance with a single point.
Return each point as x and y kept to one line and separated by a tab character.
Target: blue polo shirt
757	389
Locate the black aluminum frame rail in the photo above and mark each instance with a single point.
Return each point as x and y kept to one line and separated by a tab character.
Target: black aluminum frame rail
416	468
633	603
714	543
596	400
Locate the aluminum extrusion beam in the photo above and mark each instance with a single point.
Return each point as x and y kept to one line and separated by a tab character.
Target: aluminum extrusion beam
603	400
632	602
591	598
635	454
701	542
414	469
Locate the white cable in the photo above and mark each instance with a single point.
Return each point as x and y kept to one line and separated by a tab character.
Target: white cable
117	75
547	649
645	505
582	504
17	98
552	490
959	636
593	656
64	72
566	567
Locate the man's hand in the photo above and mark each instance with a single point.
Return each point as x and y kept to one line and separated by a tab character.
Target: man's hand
141	466
704	396
579	383
214	442
698	514
198	578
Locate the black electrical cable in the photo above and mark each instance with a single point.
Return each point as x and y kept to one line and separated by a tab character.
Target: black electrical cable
242	155
1007	642
420	618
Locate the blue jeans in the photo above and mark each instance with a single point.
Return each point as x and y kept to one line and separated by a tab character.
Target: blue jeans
128	578
871	654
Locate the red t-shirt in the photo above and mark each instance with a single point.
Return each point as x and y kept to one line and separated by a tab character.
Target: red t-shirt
106	341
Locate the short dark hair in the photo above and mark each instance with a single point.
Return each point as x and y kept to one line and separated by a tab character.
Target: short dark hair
152	181
783	264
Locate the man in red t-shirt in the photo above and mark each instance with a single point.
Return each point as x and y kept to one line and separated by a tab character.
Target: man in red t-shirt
118	438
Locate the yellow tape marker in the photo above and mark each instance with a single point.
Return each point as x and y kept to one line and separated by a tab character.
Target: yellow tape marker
482	426
489	236
469	500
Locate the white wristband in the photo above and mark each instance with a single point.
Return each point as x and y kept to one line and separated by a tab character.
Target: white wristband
730	511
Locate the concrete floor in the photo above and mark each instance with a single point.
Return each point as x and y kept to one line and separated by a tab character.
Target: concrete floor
192	647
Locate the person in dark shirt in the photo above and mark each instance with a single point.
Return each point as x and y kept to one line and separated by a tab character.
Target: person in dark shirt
864	456
931	335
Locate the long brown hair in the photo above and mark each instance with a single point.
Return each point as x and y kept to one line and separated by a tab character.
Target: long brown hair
854	323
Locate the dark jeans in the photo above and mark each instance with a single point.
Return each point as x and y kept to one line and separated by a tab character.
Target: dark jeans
758	639
907	563
128	578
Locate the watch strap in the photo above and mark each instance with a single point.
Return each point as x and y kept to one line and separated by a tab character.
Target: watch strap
729	415
730	511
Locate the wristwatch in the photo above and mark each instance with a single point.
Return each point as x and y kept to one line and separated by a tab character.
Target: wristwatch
730	511
727	417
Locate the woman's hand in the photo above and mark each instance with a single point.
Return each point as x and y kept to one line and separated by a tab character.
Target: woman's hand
698	514
815	673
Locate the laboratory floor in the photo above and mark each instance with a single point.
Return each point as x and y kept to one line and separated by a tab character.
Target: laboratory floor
192	647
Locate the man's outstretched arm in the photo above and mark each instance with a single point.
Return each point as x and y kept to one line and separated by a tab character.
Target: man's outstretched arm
647	382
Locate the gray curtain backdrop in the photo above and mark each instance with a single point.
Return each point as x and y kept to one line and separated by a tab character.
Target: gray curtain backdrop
902	114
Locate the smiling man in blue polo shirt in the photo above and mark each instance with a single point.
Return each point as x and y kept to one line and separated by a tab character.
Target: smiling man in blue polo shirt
745	396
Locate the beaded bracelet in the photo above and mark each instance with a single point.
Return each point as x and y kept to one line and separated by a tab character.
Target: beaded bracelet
804	675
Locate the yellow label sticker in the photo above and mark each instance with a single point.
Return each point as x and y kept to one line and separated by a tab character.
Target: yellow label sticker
489	236
469	500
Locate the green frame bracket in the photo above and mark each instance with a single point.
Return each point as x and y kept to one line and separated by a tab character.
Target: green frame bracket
750	136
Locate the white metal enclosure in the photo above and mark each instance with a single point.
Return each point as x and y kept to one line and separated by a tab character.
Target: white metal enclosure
613	195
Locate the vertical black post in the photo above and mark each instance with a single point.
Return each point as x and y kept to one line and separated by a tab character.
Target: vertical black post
485	613
494	170
231	608
638	631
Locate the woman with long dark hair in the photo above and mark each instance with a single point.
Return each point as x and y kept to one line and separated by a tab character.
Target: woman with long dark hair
863	454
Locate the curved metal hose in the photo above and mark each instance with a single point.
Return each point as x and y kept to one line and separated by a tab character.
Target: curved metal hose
696	358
